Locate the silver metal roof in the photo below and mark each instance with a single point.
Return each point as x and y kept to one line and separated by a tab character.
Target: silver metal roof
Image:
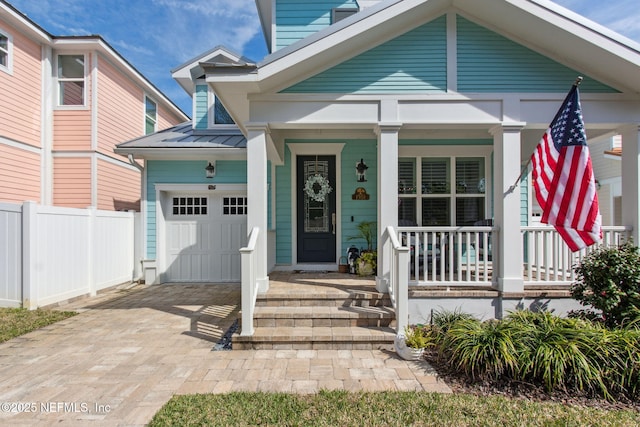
184	136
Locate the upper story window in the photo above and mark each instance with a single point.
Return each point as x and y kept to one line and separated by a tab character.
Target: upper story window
441	191
6	46
220	114
71	80
150	116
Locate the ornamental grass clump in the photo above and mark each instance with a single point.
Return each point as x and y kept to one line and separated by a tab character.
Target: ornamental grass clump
556	353
483	350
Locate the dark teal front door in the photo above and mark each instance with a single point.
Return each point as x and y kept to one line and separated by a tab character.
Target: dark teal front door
316	208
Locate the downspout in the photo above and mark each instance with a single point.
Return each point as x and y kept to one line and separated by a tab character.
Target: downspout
134	163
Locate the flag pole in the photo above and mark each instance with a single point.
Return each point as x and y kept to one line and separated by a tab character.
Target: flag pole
526	166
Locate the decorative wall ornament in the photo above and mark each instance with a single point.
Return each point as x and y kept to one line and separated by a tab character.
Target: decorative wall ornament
360	194
482	185
317	187
361	169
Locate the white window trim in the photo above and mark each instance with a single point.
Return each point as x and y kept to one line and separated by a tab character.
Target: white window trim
9	67
144	118
211	107
432	151
85	104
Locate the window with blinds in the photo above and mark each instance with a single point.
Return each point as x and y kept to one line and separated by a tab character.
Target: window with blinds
406	176
441	191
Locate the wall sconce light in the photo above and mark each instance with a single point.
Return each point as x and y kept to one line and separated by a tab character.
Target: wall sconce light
598	185
210	170
361	168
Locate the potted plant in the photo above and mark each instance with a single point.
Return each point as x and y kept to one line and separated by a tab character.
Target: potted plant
411	343
367	262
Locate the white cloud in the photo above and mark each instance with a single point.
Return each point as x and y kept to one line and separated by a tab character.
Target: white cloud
196	26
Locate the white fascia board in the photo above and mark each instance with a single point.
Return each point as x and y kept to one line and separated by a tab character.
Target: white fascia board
265	13
185	153
24	24
184	73
563	36
585	22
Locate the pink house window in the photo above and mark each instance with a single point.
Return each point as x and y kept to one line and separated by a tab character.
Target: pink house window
71	72
5	51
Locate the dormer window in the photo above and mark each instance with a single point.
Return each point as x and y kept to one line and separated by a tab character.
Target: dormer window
338	14
220	114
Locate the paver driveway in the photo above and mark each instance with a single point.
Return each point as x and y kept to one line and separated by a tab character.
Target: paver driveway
131	349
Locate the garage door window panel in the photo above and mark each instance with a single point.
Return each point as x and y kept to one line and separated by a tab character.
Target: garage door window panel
189	206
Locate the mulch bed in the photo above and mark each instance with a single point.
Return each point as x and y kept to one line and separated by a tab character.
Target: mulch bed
461	383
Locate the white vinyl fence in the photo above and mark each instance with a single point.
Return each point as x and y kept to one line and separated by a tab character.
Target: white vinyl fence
51	254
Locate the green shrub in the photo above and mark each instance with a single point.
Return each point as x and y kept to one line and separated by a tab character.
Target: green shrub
608	279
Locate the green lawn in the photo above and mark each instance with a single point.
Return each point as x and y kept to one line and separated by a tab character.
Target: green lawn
340	408
18	321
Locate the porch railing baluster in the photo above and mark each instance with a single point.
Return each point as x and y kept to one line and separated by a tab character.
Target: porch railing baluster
547	260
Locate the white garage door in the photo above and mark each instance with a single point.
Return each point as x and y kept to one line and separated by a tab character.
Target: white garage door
203	236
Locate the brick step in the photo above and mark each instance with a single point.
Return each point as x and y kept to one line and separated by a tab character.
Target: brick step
322	316
333	298
317	338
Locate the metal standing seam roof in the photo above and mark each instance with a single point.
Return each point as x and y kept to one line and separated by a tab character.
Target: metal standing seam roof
185	136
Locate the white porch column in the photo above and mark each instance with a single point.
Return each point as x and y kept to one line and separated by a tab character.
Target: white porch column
257	203
631	180
387	195
506	146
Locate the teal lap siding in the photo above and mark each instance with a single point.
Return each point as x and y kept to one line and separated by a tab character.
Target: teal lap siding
415	62
489	62
296	20
201	112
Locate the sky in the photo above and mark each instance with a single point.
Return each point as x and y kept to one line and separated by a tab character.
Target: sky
156	36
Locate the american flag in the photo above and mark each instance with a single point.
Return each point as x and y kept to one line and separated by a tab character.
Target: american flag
563	177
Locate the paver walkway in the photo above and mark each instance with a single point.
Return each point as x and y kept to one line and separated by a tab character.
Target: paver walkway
130	350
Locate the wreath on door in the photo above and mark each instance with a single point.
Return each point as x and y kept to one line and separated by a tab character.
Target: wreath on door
317	187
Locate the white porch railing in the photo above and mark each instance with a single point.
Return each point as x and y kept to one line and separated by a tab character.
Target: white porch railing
398	285
548	260
451	256
249	258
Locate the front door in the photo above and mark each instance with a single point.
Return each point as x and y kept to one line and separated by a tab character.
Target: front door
316	177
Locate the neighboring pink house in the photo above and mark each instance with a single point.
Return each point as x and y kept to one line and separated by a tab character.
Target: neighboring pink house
65	103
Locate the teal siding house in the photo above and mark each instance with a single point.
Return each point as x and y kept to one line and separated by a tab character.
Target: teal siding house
416	115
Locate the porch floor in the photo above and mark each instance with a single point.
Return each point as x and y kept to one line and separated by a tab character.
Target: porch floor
317	283
321	311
